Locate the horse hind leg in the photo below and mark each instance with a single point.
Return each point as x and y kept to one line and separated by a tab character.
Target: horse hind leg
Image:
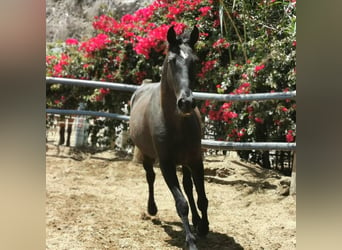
150	177
188	189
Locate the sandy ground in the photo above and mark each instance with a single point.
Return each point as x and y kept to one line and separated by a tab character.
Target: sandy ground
98	201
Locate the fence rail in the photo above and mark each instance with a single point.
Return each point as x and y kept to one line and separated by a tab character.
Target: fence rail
197	95
88	113
227	145
92	84
282	146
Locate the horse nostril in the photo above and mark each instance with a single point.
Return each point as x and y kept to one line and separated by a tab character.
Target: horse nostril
181	103
185	105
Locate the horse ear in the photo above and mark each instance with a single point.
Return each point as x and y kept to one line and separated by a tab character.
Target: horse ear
171	36
194	37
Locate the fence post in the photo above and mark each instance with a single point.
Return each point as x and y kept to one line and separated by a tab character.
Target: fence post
80	127
293	176
61	130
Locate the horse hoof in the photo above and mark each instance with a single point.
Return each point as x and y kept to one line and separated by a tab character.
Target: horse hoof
190	242
202	229
193	247
152	209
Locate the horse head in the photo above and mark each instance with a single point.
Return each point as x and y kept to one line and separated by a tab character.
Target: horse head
181	68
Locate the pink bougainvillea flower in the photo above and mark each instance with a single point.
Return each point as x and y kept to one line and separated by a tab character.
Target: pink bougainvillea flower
58	69
240	134
227	105
289	136
140	76
221	43
99	98
49	59
144	14
203	34
216	23
204	10
203	110
95	43
207	66
155	39
229	115
213	115
242	89
207	103
244	76
71	41
104	91
245	85
64	59
178	27
106	24
259	67
259	120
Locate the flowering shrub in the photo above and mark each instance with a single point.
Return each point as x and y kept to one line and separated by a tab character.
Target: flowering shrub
244	47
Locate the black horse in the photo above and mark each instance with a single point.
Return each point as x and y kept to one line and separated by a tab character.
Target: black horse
165	124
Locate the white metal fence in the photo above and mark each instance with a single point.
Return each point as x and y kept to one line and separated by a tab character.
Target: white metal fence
224	145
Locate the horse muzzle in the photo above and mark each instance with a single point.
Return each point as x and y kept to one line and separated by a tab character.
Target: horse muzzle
186	105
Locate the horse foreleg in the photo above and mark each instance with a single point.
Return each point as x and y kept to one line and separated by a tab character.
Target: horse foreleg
187	184
150	177
202	202
169	174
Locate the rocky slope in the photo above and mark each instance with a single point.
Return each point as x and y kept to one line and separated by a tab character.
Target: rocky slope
73	18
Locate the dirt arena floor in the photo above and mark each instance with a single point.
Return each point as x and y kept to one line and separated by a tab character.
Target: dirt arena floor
99	200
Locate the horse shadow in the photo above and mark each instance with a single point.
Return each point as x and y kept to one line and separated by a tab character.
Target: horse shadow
259	183
214	240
